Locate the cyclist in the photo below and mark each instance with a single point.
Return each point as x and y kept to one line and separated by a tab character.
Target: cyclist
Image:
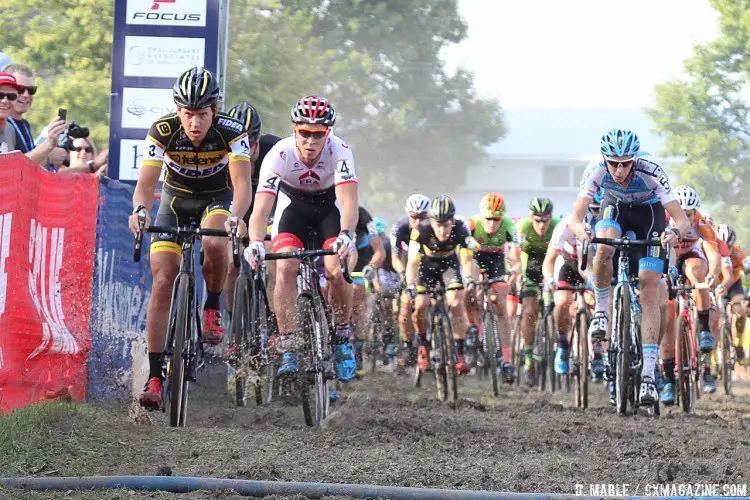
699	260
312	174
207	158
636	193
251	120
561	268
534	234
433	257
492	230
370	257
387	289
732	289
416	209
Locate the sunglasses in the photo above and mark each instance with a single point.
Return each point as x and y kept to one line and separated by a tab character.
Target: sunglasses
417	216
315	134
620	163
78	149
12	96
542	219
31	89
493	219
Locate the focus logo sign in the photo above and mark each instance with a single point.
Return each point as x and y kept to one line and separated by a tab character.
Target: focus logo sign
166	12
142	107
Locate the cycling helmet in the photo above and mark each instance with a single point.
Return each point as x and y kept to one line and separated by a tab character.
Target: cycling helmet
726	232
249	117
196	88
314	109
708	218
418	203
492	205
618	142
540	206
688	198
442	208
380	225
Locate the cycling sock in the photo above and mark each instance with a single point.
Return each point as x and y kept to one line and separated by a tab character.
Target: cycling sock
703	320
650	353
528	353
212	300
669	370
602	299
507	353
460	346
563	342
154	364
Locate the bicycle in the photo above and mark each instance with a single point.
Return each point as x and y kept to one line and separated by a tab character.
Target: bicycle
687	356
183	350
579	346
315	327
516	334
490	343
253	323
625	351
379	326
442	352
727	354
544	346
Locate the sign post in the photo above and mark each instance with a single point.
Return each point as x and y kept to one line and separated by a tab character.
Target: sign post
154	42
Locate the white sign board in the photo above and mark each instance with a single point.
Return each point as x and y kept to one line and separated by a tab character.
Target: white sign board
167	12
131	156
162	57
142	107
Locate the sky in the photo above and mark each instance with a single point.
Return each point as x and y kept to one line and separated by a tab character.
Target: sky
578	53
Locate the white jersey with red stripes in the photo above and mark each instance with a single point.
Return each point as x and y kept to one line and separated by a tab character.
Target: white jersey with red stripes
282	165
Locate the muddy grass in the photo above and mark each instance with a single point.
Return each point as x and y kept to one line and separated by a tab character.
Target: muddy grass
385	432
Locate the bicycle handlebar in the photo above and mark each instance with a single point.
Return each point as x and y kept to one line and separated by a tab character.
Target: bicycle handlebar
311	254
177	231
613	242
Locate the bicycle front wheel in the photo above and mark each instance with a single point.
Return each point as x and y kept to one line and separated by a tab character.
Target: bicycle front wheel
726	363
241	323
489	325
580	374
684	362
178	383
450	359
622	361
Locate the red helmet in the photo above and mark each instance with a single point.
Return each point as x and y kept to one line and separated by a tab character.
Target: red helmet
314	109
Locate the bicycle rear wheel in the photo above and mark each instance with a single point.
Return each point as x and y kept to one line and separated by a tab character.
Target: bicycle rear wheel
622	361
684	363
178	383
242	319
581	379
489	325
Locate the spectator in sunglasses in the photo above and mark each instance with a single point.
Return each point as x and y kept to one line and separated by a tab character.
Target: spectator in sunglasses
83	159
47	151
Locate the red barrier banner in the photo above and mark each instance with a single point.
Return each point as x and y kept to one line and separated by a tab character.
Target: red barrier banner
47	233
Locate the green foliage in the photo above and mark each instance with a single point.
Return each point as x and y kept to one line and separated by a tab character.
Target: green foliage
68	44
705	116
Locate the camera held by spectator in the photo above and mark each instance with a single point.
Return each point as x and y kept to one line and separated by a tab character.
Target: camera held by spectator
72	131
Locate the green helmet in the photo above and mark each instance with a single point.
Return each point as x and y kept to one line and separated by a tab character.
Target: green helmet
540	206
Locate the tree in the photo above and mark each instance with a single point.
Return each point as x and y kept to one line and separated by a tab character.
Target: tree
409	121
704	116
68	43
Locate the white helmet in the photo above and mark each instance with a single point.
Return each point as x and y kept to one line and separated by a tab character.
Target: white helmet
418	203
689	199
726	233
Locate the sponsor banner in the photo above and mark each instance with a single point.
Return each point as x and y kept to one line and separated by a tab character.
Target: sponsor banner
121	292
131	156
162	57
47	230
142	107
167	12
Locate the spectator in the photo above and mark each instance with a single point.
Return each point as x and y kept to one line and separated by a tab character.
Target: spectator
8	94
83	159
46	152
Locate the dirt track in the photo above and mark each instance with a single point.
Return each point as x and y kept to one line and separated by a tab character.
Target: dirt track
386	432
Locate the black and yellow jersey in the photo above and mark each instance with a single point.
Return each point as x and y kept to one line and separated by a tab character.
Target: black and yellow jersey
423	241
196	171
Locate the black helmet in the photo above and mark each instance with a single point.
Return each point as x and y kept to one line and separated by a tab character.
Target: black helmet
249	117
442	208
540	206
196	88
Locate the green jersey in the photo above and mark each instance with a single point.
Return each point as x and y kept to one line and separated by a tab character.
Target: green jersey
533	245
495	242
